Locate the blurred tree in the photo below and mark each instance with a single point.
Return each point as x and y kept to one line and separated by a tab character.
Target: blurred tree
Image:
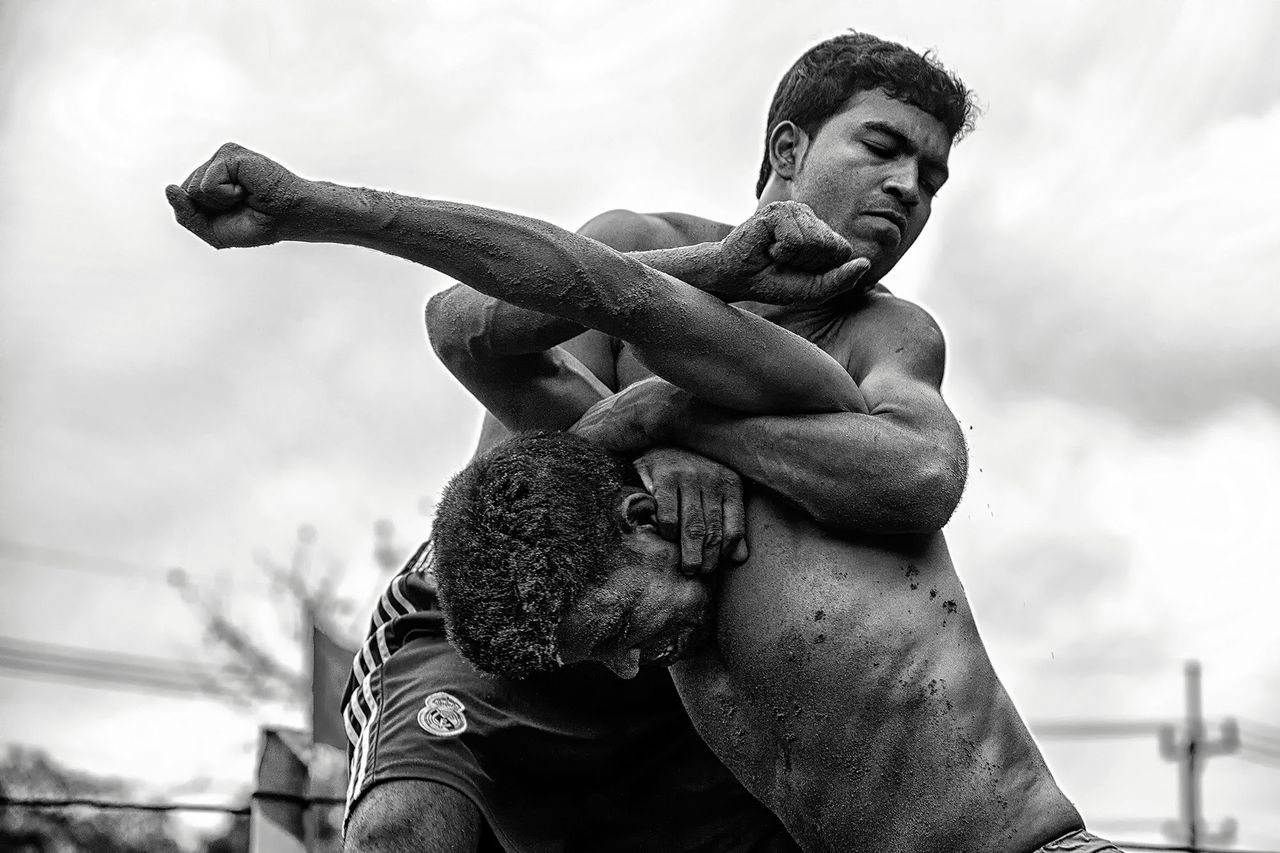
30	773
258	664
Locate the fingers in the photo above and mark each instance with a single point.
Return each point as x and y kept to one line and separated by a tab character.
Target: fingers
692	531
845	277
213	186
735	526
666	495
218	189
698	506
188	215
701	532
713	534
803	241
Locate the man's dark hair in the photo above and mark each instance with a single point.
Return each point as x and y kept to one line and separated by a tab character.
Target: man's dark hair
829	74
519	535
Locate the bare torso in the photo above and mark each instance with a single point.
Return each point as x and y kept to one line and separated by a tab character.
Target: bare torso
848	688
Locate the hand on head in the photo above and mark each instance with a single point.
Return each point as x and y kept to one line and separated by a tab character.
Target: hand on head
699	504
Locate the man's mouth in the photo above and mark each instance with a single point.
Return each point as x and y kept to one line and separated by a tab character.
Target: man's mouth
893	216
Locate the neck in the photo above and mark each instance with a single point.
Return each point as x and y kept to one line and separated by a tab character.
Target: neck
811	322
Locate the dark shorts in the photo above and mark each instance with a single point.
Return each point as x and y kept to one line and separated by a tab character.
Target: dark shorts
578	760
1080	841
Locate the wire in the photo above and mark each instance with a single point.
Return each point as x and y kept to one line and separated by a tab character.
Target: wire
35	648
1267	730
1262	759
94	564
118	805
83	666
1268	749
1095	728
1186	848
1250	736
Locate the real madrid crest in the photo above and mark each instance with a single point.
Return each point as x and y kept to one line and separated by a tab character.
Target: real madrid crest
443	716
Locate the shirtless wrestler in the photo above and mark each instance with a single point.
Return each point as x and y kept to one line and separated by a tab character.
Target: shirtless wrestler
847	687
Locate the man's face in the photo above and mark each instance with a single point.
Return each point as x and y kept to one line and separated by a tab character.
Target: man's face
871	173
647	611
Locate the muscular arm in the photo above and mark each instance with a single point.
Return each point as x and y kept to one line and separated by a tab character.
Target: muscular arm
898	468
240	198
724	355
537	370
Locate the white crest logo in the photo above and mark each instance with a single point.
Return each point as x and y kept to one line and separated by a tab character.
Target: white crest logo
443	716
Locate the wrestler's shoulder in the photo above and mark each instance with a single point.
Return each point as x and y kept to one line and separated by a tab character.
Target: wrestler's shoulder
885	329
630	231
880	307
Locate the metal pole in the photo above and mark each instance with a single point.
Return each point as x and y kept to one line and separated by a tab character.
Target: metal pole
1191	768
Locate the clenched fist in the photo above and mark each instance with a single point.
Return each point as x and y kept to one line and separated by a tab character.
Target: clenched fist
237	198
785	255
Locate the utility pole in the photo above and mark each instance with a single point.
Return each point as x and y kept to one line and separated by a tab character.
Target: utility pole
1190	752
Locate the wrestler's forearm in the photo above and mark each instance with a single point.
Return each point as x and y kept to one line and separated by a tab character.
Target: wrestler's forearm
488	327
849	472
689	337
520	260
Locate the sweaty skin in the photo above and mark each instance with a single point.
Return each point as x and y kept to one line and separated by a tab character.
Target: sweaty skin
848	688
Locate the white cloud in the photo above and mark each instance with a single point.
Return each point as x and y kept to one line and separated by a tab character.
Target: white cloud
1117	237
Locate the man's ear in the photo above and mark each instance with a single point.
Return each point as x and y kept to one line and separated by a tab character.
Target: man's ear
636	511
787	145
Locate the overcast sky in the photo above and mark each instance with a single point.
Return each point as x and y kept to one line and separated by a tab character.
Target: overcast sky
1103	262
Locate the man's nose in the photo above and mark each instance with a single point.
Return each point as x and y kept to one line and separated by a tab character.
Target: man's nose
625	665
903	181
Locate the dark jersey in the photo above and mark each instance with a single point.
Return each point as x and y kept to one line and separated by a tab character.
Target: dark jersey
577	760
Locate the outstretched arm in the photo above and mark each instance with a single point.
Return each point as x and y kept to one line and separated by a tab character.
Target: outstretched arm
724	355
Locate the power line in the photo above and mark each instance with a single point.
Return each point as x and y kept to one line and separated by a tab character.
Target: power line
1143	845
26	647
61	558
1266	730
1261	759
84	666
120	805
77	656
95	564
1095	728
1269	749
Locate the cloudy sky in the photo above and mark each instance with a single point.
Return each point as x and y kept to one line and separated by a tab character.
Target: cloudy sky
1103	263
